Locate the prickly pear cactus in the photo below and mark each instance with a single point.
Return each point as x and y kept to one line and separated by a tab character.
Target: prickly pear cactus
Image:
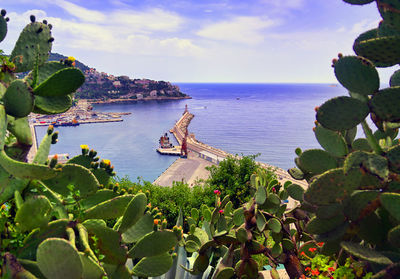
64	220
354	186
223	241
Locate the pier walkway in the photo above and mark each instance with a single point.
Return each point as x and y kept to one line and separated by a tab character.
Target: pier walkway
185	169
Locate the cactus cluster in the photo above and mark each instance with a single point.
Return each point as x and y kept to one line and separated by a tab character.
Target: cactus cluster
64	220
354	186
224	240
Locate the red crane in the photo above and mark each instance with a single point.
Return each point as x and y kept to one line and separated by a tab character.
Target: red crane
184	151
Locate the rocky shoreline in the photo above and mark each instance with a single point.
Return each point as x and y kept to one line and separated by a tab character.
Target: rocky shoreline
116	101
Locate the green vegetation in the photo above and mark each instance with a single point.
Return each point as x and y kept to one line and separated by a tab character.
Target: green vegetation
232	177
73	220
64	221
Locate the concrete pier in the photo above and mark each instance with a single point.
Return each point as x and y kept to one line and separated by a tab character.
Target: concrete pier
185	169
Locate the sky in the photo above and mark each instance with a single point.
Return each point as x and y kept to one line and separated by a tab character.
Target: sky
244	41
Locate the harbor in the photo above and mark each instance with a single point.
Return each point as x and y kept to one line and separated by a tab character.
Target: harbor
201	155
81	113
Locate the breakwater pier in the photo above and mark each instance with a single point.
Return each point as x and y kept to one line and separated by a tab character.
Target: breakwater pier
201	155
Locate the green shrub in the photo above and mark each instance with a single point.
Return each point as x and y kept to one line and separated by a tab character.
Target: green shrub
232	177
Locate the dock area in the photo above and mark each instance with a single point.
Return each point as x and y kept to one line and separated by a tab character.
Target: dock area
176	151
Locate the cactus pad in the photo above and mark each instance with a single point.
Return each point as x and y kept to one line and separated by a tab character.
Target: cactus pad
140	229
332	187
82	179
9	184
110	209
91	270
389	10
391	202
295	191
385	104
329	211
320	226
134	211
365	253
97	198
373	163
393	156
361	145
395	79
382	51
357	74
61	83
45	71
83	160
18	99
331	141
3	28
34	213
342	113
52	105
261	195
108	242
31	44
274	225
316	161
20	129
296	173
57	258
43	150
25	170
358	204
32	241
153	266
394	236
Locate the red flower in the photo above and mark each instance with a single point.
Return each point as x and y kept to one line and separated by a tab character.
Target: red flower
331	268
221	211
308	268
312	250
217	192
302	254
320	244
315	272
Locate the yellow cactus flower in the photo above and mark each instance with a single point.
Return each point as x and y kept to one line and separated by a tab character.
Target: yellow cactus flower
107	162
84	146
72	59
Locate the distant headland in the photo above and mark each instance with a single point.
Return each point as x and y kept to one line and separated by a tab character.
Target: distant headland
100	87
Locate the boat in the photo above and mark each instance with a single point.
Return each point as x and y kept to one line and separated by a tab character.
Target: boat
166	147
164	141
57	123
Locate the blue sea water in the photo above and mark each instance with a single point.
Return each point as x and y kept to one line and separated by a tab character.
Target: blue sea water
270	119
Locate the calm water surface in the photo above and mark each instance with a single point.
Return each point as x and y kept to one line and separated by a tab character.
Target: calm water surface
271	119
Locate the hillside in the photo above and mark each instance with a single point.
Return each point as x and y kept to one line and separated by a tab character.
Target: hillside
103	86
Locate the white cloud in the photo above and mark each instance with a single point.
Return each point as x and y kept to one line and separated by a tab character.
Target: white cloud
285	4
152	19
80	12
364	25
242	29
124	32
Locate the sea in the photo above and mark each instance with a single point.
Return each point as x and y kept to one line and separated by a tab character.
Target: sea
267	120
